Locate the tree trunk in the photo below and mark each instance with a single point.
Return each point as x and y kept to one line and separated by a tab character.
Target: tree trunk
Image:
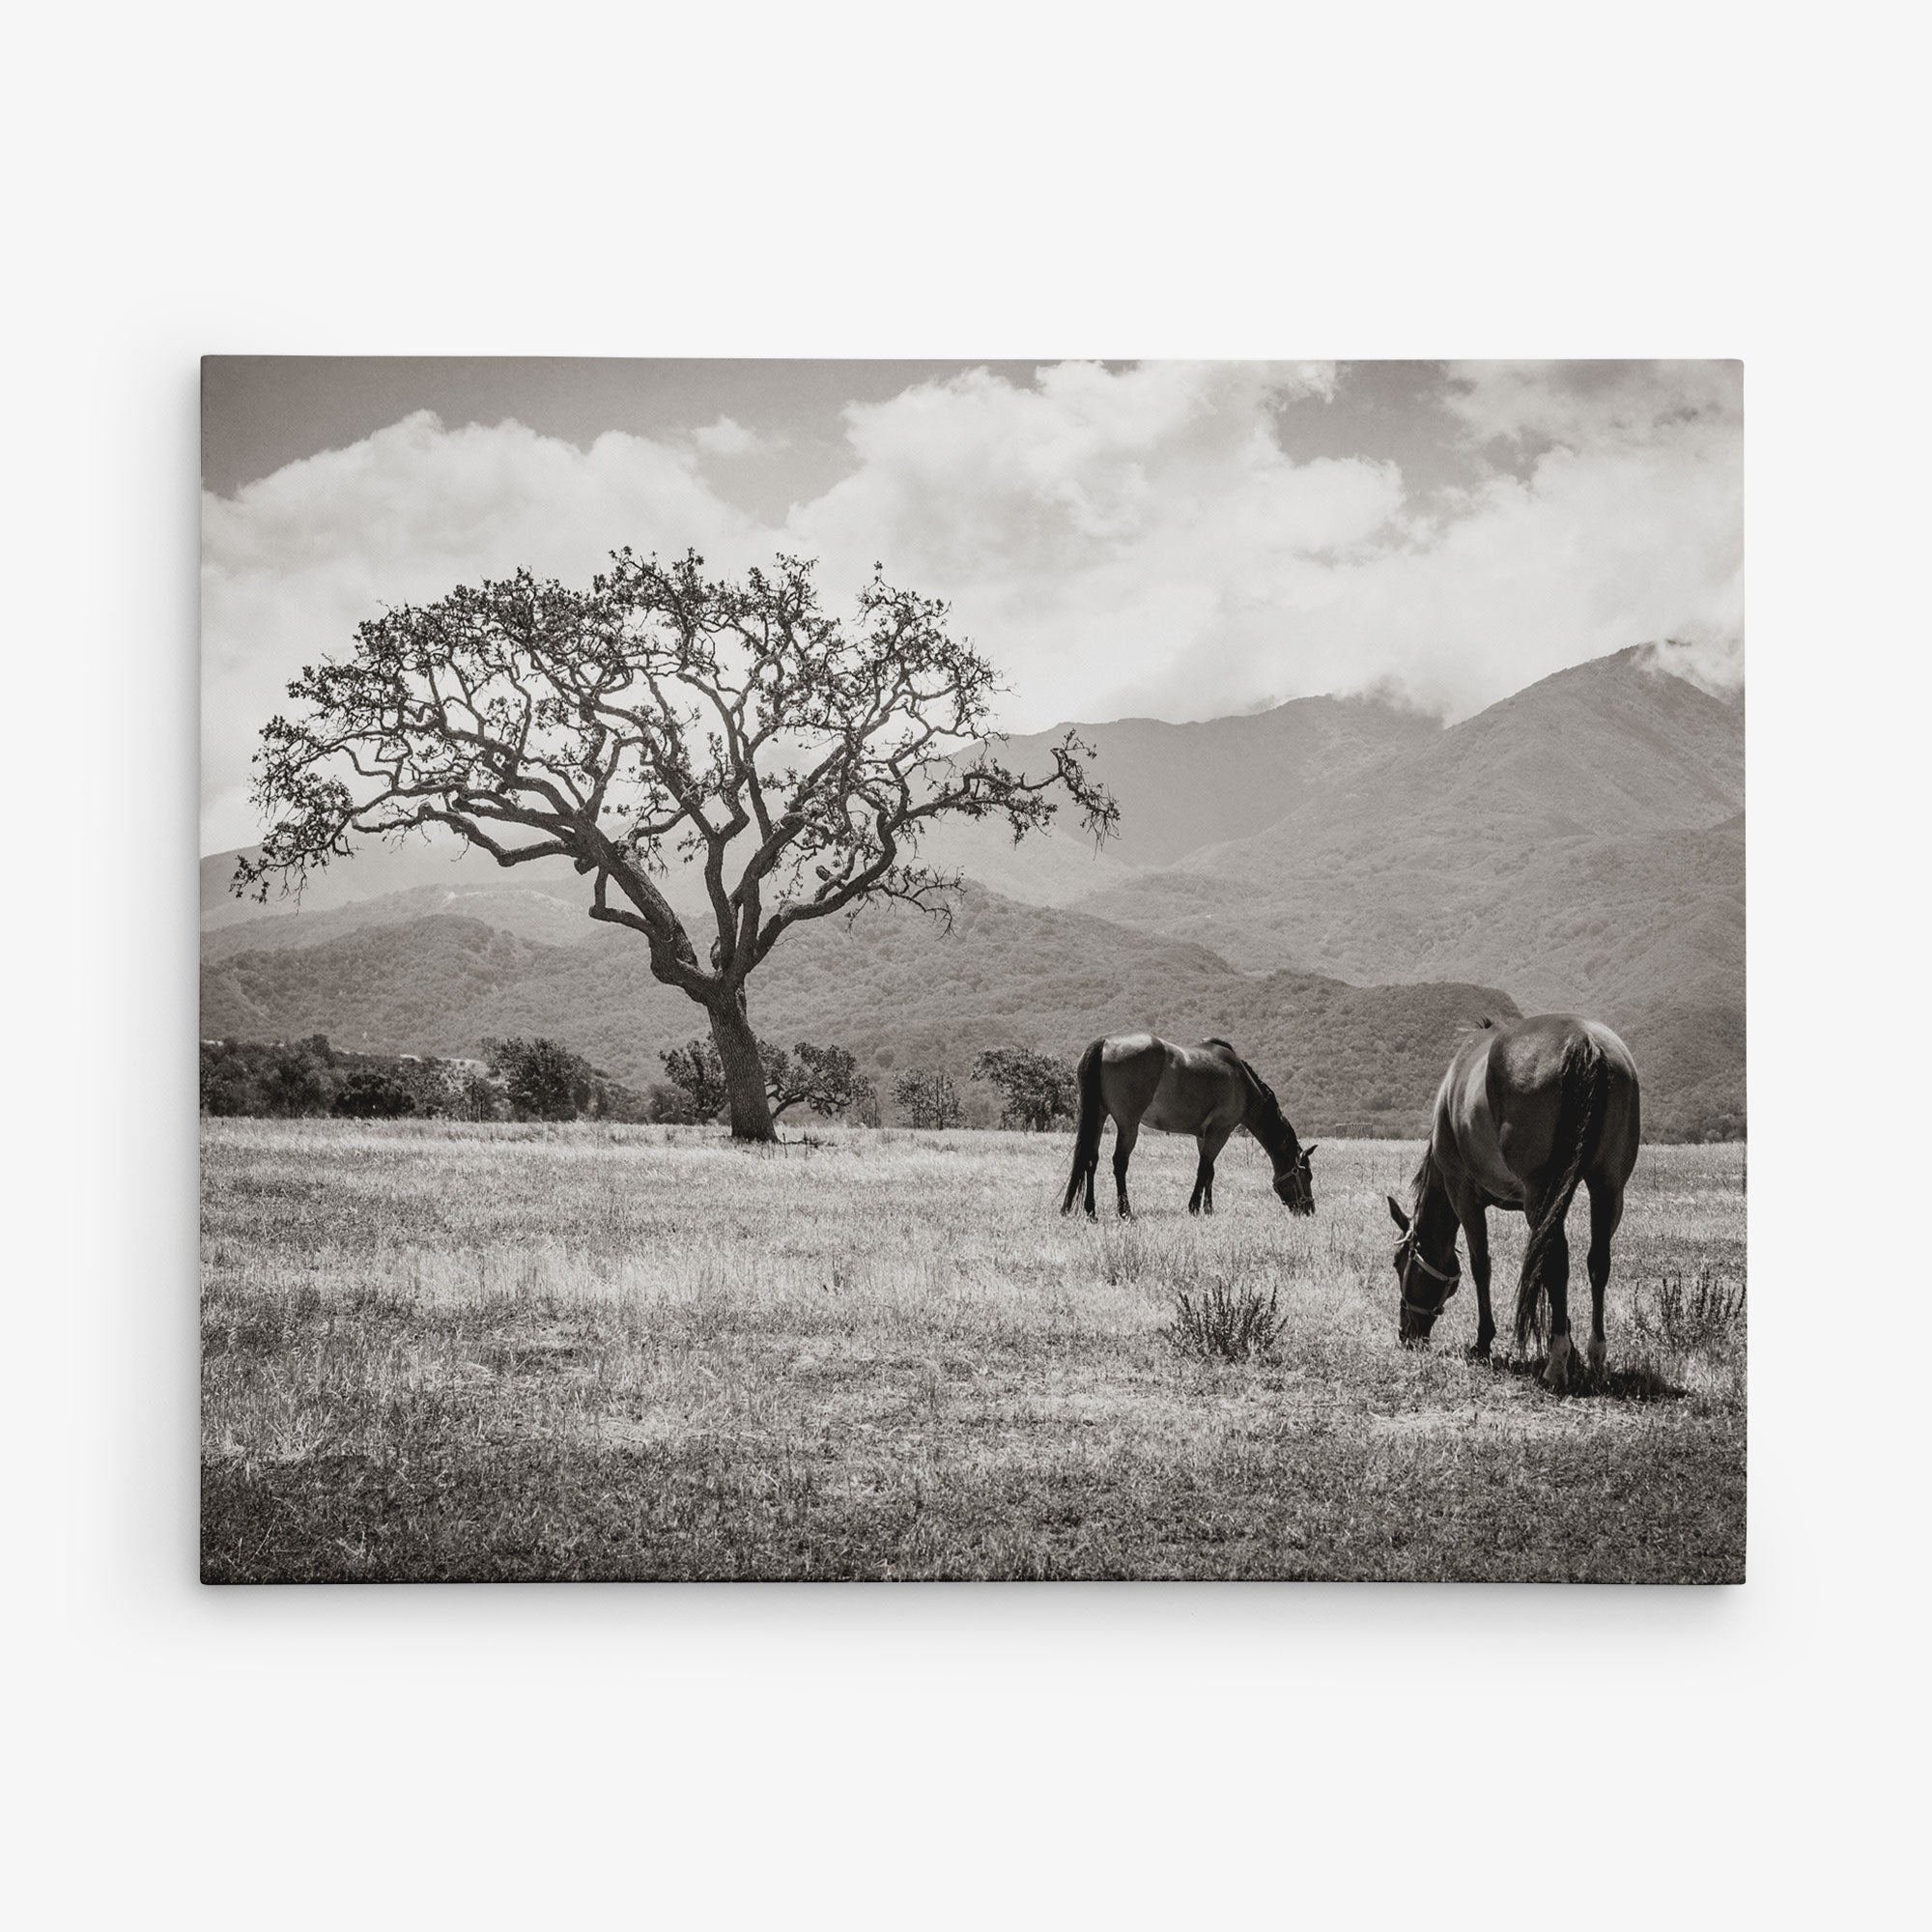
744	1072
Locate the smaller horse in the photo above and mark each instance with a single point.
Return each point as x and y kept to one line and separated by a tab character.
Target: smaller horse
1526	1112
1207	1091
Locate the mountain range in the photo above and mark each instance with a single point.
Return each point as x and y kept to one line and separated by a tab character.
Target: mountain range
1306	881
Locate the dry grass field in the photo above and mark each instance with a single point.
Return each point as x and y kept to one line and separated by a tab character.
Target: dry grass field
523	1352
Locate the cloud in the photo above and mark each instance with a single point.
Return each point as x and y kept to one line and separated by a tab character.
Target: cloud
1139	541
1117	541
291	564
1586	405
727	438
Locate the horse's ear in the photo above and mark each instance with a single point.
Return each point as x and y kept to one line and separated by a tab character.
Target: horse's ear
1310	1149
1396	1214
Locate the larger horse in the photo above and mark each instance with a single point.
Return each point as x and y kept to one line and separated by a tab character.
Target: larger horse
1526	1112
1207	1091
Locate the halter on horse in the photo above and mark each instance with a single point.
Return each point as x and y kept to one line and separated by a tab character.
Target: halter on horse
1528	1113
1207	1092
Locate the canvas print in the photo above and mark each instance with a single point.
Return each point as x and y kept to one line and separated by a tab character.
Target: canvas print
949	971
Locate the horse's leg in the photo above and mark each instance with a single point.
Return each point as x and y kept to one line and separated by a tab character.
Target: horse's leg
1606	1209
1556	1284
1212	1144
1204	1179
1126	1134
1476	1231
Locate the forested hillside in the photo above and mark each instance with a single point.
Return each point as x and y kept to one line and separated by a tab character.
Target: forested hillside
897	990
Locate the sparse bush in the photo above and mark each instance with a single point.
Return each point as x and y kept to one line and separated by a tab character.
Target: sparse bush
671	1105
697	1076
928	1098
1687	1313
1235	1324
611	1101
476	1096
826	1078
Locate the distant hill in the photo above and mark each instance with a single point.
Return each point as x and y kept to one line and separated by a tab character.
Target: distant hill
1579	845
894	989
377	871
547	918
1181	788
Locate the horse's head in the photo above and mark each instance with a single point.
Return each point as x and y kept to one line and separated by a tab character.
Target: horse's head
1295	1181
1426	1287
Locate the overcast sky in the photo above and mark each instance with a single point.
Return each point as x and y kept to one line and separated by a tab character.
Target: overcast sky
1174	540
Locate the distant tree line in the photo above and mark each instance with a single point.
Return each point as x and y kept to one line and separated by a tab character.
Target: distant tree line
515	1080
540	1080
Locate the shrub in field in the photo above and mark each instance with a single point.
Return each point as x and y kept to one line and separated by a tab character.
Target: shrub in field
1235	1324
696	1075
826	1079
670	1105
1683	1315
475	1095
542	1080
1035	1088
927	1098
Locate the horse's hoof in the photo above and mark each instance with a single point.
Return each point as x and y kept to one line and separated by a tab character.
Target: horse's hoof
1594	1353
1479	1352
1556	1371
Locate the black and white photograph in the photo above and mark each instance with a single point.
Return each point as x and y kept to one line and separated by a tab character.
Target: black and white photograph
809	798
1062	970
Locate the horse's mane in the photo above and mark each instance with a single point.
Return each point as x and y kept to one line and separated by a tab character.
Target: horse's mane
1425	1172
1272	1116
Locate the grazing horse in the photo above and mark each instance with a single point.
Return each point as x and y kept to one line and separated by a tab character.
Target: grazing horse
1526	1112
1207	1091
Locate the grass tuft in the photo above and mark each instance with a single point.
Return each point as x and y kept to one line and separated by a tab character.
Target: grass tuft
1690	1314
1234	1323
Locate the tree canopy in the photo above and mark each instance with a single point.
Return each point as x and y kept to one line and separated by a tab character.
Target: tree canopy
664	718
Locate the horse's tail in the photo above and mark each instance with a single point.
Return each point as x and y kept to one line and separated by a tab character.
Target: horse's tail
1583	1083
1087	1138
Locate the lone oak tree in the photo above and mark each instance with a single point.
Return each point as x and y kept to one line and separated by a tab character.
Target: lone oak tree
662	717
